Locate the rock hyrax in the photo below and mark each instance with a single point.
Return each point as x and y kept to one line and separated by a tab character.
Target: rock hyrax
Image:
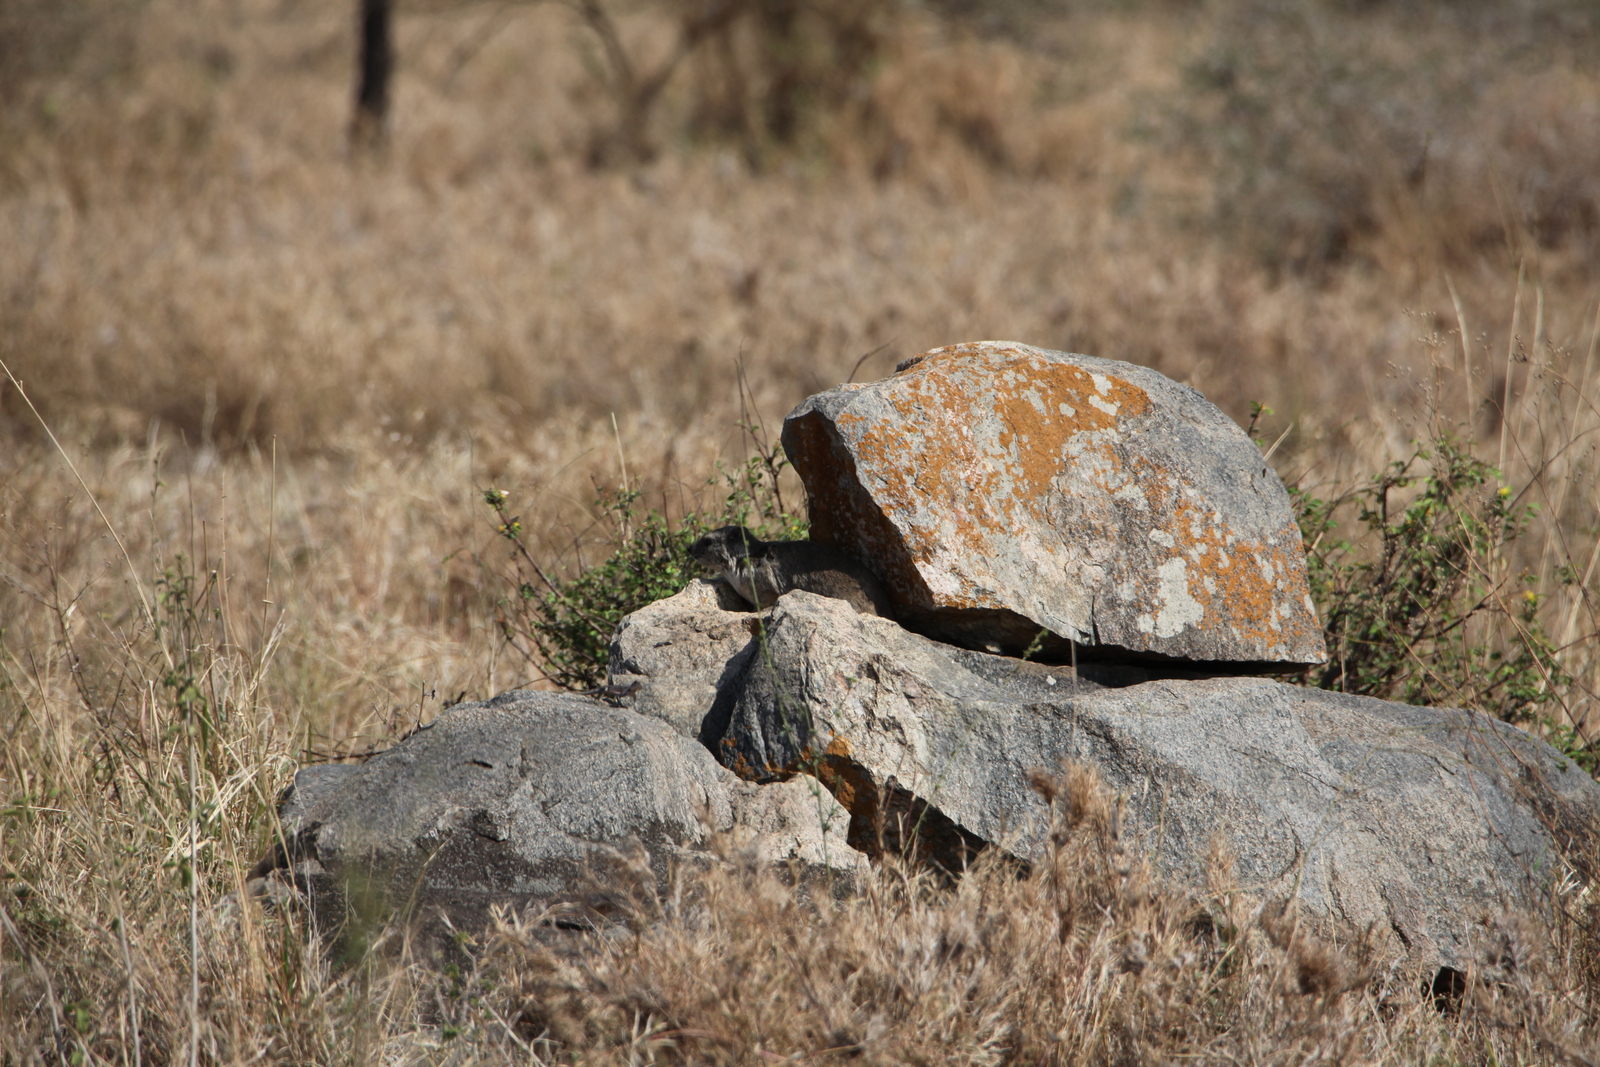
762	571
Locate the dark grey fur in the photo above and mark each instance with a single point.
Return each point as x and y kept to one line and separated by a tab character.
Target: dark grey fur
762	571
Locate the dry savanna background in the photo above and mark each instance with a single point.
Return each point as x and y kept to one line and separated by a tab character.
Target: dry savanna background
267	370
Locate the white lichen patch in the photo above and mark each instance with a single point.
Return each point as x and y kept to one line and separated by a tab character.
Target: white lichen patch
1268	571
1102	384
1133	494
1105	406
1162	538
1178	608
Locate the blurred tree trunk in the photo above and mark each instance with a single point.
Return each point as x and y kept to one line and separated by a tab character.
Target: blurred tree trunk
785	61
369	124
636	93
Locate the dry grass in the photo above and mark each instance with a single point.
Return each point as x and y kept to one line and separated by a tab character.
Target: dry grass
191	243
1083	961
290	375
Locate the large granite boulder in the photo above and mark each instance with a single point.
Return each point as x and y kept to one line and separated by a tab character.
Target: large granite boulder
518	799
1416	820
1000	489
697	642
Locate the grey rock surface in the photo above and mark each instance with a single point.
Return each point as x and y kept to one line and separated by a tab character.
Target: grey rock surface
797	820
687	651
699	639
999	489
1418	820
515	800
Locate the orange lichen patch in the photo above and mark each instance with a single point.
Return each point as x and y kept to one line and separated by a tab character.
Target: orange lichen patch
1237	584
1021	486
844	515
734	760
847	780
930	454
854	787
1040	403
1242	587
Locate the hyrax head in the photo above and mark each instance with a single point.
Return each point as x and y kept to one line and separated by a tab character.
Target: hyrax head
725	549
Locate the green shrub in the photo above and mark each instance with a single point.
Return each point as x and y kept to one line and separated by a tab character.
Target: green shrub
1425	604
563	626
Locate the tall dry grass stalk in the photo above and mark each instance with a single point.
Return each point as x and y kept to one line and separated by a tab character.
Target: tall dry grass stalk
1533	410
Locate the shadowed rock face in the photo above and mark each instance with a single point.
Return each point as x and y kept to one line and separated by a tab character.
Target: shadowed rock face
1000	489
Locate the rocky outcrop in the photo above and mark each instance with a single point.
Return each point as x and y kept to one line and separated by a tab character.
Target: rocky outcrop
1000	489
515	800
1418	820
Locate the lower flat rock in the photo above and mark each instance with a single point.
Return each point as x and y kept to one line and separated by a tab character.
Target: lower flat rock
514	800
1416	820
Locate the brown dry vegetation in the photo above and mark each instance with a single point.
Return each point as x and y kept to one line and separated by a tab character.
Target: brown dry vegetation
289	374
